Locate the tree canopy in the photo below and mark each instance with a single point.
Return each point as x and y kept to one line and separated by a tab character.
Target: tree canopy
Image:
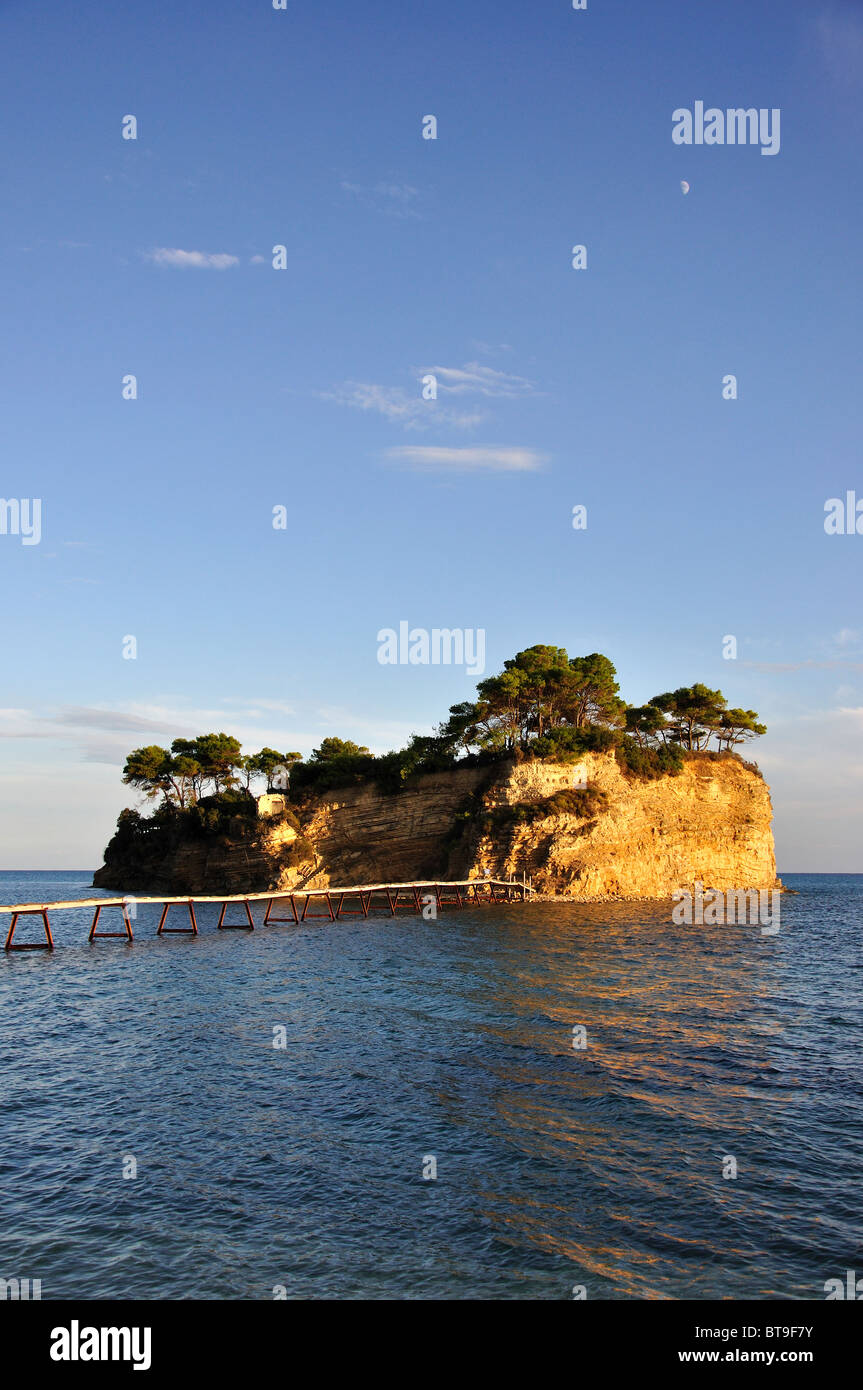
693	714
332	748
543	703
541	689
183	773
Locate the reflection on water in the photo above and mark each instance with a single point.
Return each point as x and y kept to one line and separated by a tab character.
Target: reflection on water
557	1166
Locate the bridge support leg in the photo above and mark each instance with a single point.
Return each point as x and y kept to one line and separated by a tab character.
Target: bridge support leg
46	945
352	912
127	926
269	913
370	895
450	901
248	925
191	931
306	912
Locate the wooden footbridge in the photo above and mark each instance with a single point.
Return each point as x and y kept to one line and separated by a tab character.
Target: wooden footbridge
361	901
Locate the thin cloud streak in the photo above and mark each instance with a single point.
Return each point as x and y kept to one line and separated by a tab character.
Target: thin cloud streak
475	379
394	199
109	721
437	459
399	407
190	260
839	38
411	410
782	667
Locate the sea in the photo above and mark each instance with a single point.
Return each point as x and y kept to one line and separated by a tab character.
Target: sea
548	1101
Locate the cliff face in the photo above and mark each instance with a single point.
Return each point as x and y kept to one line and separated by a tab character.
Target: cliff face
364	836
712	823
620	838
231	862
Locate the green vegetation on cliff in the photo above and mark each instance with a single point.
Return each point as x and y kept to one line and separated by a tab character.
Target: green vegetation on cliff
544	704
182	772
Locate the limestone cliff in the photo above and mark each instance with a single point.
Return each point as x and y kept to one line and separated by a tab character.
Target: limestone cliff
621	837
712	823
240	859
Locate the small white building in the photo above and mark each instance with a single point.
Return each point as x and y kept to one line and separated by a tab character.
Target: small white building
271	804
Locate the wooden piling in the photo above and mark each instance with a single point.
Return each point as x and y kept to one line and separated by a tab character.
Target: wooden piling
178	931
46	945
127	925
248	925
268	916
313	915
363	910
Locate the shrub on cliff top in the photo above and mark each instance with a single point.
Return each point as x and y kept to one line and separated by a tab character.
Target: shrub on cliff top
215	815
345	771
710	755
232	814
646	764
585	804
567	745
298	854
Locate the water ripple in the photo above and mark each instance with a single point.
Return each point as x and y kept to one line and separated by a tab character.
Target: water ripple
303	1166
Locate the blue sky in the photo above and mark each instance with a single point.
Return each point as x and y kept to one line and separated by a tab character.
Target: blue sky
301	387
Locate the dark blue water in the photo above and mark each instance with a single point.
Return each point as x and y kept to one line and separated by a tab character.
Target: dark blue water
302	1167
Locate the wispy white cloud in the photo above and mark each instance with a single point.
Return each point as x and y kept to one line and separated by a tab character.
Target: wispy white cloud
839	39
490	349
21	723
786	666
190	260
86	717
253	706
823	743
474	379
102	734
401	192
410	410
834	651
377	734
394	199
438	459
399	406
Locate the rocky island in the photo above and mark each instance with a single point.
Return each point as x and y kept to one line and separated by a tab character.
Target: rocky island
549	775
